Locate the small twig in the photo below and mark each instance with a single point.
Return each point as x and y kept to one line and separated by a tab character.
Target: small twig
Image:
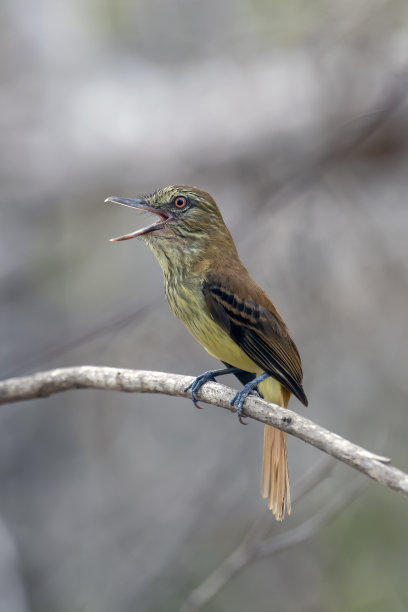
255	545
44	384
40	356
312	525
344	142
261	527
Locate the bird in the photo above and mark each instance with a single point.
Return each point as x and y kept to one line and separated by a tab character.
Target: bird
209	289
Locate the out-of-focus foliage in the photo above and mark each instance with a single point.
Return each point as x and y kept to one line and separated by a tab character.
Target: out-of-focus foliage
293	116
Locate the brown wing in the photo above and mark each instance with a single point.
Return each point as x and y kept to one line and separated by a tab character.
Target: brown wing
255	325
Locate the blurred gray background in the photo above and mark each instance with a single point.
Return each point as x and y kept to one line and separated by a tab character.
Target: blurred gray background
293	116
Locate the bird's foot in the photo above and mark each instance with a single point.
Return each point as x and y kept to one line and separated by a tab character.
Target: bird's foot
240	397
197	383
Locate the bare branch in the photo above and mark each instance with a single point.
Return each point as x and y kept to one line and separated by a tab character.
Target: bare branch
40	356
309	481
312	525
254	544
44	384
251	544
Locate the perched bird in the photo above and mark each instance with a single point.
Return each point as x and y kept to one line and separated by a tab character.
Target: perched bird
211	291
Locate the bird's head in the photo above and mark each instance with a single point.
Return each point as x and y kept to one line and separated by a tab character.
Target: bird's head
188	221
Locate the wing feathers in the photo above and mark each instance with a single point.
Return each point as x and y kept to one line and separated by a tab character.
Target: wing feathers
257	328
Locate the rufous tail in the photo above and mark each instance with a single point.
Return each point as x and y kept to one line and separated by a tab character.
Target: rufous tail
275	472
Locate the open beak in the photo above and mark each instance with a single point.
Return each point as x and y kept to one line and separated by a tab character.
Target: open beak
142	205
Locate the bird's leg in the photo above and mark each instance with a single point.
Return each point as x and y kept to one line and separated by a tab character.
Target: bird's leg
240	397
196	385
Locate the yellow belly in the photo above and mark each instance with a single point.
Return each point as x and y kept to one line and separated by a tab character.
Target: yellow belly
190	307
221	346
192	310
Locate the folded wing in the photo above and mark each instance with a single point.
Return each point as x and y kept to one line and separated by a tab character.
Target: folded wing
255	325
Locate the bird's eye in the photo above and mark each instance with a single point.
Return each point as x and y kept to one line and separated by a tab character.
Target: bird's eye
180	202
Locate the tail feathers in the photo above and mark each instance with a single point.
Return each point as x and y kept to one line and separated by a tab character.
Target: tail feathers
275	472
